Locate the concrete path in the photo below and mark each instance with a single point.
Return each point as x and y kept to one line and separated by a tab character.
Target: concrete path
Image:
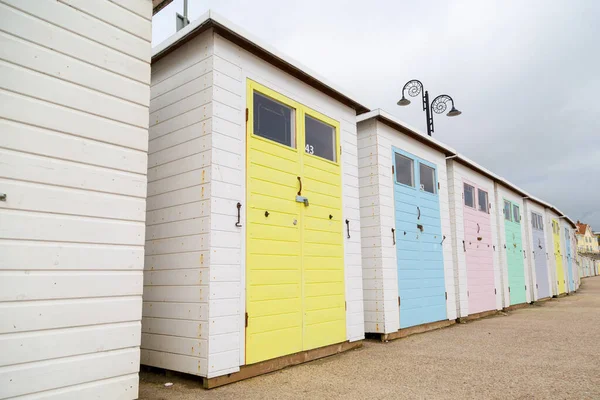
547	351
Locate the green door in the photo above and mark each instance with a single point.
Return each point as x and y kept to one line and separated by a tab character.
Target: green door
514	253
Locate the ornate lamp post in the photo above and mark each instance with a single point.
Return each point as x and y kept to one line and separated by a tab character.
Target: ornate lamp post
438	105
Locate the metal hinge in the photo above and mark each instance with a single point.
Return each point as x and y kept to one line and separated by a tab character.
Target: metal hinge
438	186
392	170
467	293
346	306
495	291
246	320
398	300
446	295
509	289
246	115
525	287
340	149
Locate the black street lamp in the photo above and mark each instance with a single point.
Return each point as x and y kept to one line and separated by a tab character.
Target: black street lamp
438	105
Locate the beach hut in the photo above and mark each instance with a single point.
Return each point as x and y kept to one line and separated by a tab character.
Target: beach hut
253	255
568	234
555	252
472	210
511	236
73	141
537	254
408	270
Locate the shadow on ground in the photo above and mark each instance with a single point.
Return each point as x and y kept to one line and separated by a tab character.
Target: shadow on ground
550	350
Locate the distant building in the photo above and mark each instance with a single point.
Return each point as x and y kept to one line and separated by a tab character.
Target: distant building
587	241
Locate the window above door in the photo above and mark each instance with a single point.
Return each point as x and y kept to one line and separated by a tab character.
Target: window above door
319	138
274	120
469	195
507	211
427	178
405	170
516	214
482	199
286	122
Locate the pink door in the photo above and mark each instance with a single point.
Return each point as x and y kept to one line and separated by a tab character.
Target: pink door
478	249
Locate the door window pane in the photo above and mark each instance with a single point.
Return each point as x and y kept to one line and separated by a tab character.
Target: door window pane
274	120
427	178
405	170
516	214
469	195
507	211
536	221
320	138
482	197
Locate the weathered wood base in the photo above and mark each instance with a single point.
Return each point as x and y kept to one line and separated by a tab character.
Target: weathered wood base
480	315
543	299
560	295
516	307
265	367
401	333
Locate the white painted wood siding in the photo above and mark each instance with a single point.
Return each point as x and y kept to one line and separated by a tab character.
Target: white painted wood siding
456	174
178	220
380	275
232	67
380	271
74	89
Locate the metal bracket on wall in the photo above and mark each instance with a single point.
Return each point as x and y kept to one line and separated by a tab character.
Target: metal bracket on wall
2	196
348	227
394	235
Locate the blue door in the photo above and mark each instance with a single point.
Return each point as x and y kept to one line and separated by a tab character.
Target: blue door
418	234
570	280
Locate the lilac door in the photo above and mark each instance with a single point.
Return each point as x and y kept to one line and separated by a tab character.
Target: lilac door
540	256
478	249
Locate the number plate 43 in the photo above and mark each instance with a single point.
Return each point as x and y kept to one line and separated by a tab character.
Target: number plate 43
309	149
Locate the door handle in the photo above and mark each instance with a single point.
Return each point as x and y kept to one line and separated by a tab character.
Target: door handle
239	206
300	191
419	211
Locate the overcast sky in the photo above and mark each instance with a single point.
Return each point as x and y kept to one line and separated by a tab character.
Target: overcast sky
525	74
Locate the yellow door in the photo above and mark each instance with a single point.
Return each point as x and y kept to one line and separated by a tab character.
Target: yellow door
294	248
560	273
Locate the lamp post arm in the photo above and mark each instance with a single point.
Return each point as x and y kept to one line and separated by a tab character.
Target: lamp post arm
413	88
439	104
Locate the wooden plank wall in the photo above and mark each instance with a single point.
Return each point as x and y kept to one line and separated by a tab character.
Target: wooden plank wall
74	89
178	219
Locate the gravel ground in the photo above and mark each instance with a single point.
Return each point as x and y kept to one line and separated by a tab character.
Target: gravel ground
551	350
